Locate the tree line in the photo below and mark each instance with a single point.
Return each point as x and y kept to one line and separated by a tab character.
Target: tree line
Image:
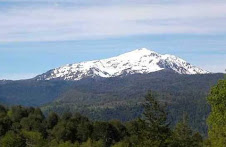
28	127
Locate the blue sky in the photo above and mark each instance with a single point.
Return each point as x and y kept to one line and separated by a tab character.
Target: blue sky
38	35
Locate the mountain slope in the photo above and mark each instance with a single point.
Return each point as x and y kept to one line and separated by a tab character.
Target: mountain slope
117	97
138	61
122	97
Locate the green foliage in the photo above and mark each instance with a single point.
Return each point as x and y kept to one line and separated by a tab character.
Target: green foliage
122	130
17	113
64	131
122	144
135	129
52	120
5	124
106	132
91	143
122	98
3	111
10	139
217	117
84	131
28	127
183	135
68	144
34	121
116	98
33	139
156	130
197	140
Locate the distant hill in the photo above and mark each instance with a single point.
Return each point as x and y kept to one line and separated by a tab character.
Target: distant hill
30	92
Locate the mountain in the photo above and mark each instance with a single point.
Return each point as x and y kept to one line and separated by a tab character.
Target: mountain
141	61
114	88
122	97
118	97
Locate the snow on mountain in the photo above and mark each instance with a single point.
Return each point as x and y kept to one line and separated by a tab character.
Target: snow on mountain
137	61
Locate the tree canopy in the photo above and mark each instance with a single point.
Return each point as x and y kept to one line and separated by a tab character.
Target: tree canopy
28	127
217	117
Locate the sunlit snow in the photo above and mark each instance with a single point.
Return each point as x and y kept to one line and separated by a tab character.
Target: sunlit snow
137	61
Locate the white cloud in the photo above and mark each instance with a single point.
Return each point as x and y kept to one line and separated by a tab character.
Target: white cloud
64	22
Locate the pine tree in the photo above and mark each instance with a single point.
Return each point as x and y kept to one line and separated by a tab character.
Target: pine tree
156	130
182	134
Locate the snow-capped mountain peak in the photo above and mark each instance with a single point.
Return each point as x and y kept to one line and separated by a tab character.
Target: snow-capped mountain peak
137	61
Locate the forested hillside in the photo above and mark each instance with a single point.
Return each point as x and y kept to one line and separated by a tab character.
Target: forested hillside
122	98
25	127
30	92
117	98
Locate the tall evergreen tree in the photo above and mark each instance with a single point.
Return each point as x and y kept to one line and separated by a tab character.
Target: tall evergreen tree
156	130
183	135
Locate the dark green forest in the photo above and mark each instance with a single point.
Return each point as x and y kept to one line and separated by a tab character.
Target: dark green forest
118	98
122	98
29	127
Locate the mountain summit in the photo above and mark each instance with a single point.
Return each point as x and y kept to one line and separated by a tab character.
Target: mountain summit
141	61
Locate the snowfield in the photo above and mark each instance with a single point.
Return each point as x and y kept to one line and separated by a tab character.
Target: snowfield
137	61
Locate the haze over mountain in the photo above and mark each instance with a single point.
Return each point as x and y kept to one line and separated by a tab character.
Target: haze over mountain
141	61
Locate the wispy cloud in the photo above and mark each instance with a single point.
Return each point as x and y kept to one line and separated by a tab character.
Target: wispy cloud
72	22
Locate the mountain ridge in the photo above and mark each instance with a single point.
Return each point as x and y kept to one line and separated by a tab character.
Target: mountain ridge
137	61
